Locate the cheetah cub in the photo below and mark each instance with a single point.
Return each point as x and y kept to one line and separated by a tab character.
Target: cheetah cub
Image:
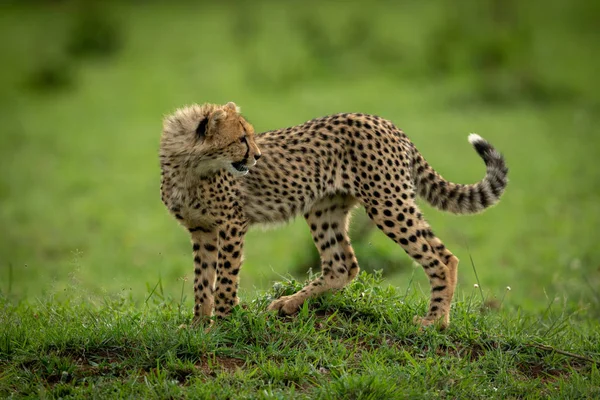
218	179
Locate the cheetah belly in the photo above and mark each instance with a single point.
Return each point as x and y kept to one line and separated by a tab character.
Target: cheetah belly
265	208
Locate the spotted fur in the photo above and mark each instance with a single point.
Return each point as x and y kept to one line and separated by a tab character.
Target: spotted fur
321	169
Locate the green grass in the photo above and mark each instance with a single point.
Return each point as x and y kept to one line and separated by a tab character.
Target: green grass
84	238
357	344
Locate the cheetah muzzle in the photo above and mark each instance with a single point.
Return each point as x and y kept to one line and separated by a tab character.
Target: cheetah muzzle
321	169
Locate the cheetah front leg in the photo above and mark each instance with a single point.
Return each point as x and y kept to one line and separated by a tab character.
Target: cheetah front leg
230	262
328	221
205	248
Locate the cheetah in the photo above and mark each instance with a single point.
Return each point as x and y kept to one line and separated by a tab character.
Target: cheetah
218	178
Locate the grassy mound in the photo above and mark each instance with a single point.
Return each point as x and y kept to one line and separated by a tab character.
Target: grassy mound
358	343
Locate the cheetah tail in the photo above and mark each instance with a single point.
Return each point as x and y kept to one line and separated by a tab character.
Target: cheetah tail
463	199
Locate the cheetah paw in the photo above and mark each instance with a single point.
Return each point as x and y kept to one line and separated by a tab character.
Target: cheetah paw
201	322
286	305
425	322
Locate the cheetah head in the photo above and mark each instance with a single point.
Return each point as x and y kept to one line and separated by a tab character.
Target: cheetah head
209	138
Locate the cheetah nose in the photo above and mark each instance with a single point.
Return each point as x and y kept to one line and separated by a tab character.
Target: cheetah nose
257	156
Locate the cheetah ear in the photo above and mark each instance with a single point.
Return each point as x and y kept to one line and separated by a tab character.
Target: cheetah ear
214	119
231	105
201	129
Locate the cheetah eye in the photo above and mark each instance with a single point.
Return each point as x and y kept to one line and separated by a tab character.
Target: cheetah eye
243	139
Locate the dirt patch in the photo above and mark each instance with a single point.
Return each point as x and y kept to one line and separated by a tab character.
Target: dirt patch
543	372
472	352
210	366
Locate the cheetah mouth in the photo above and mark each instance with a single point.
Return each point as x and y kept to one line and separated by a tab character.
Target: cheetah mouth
240	166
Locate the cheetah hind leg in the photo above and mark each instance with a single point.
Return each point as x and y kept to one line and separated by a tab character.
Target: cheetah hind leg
407	227
328	221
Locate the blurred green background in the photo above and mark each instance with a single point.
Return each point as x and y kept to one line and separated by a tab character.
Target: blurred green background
85	86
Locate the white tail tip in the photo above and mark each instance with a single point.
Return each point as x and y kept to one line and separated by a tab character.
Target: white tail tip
474	138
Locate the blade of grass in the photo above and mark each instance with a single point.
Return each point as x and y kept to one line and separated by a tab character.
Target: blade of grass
474	270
